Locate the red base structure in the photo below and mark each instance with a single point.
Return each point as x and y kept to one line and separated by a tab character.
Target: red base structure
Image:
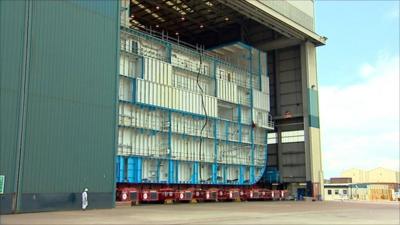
185	193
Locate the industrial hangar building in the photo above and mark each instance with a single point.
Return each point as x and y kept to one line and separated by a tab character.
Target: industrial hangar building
152	94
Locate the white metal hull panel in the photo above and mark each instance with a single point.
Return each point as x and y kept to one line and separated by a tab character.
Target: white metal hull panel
190	149
261	119
125	89
160	95
265	84
231	74
138	143
244	96
234	154
134	116
260	100
157	71
227	91
246	116
190	63
185	171
175	136
130	66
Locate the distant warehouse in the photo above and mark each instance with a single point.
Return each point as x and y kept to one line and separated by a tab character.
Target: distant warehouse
157	98
375	184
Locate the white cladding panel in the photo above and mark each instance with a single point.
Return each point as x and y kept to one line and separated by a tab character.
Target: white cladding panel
260	100
149	170
125	89
135	142
157	71
233	132
232	173
234	154
261	118
163	171
185	80
133	116
246	134
246	116
189	62
265	84
189	149
259	155
130	66
185	172
206	172
188	125
161	95
149	49
231	74
244	96
260	136
227	91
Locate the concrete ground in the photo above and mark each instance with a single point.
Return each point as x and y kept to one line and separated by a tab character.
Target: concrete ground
225	213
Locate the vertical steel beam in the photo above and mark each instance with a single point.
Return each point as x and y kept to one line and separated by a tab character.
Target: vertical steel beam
241	174
158	163
215	77
195	177
215	164
116	119
252	119
170	162
259	69
121	169
139	169
239	112
130	169
23	105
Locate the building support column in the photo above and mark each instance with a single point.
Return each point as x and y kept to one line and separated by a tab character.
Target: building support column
314	173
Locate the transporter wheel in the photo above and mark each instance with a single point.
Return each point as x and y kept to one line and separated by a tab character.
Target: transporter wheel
124	196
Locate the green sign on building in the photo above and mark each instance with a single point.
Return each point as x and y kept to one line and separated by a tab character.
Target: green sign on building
2	180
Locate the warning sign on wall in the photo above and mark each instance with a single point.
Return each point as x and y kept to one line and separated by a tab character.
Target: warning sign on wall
2	180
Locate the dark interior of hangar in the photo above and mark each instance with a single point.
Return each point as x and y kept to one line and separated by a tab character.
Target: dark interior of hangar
198	22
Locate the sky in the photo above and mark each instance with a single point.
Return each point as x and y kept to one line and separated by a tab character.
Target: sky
358	72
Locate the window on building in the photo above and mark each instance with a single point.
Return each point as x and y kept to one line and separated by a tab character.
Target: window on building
345	192
336	192
329	192
272	139
292	136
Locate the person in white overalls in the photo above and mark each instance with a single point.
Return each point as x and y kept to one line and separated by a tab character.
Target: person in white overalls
85	202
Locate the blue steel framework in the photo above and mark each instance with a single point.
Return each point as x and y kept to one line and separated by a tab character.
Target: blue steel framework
129	168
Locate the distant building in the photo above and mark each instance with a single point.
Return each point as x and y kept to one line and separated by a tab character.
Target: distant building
377	175
372	192
340	180
336	191
357	184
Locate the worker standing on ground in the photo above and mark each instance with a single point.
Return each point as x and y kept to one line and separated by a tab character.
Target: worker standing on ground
85	202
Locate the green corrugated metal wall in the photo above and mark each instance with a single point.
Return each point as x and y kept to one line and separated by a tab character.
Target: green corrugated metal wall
11	60
68	140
